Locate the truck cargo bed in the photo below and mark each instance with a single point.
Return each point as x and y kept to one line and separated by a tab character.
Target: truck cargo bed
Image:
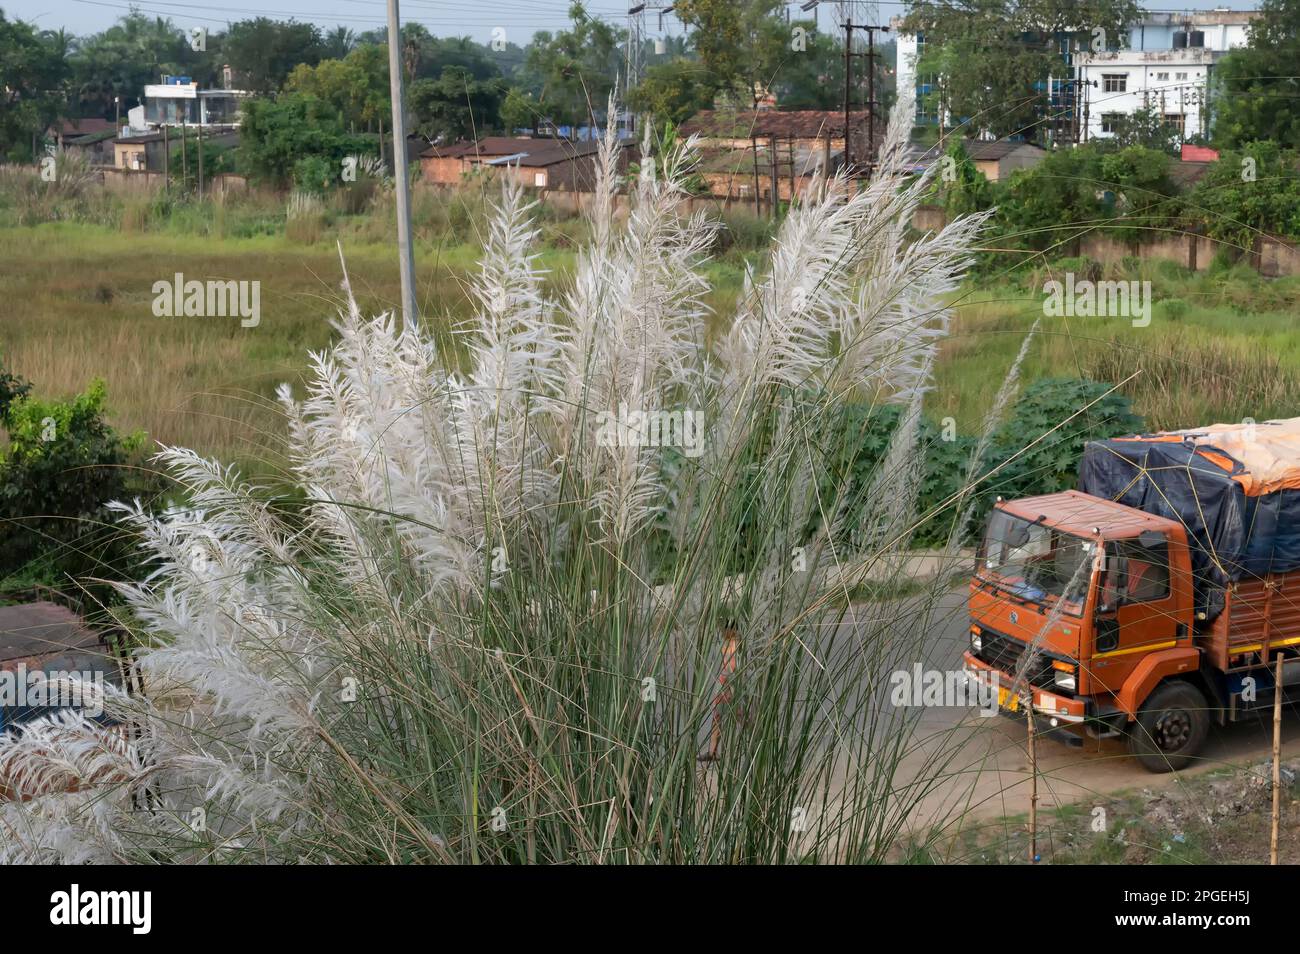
1259	615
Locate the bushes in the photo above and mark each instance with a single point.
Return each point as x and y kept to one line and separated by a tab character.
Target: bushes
1043	414
1253	190
1065	413
277	135
62	464
1127	193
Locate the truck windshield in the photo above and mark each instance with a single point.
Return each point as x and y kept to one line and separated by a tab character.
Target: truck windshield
1035	562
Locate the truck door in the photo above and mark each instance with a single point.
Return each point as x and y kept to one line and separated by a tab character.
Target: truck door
1136	607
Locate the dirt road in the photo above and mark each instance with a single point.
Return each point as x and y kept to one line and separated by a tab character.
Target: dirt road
988	772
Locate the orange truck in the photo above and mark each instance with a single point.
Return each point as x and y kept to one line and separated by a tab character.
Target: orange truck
1155	599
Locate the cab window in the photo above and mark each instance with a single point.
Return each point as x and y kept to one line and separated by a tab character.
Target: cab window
1137	572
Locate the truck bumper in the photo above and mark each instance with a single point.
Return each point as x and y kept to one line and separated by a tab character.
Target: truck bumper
1052	708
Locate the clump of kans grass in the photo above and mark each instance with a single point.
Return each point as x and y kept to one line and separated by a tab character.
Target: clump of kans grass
480	633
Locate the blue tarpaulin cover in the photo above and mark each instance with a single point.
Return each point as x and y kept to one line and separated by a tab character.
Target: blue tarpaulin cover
1235	488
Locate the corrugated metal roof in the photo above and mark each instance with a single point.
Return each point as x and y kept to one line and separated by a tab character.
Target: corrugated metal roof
765	123
979	150
527	152
85	126
36	629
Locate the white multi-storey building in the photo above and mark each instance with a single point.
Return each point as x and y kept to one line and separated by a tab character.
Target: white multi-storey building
1165	68
1163	64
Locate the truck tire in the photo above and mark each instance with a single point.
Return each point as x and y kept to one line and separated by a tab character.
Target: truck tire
1171	727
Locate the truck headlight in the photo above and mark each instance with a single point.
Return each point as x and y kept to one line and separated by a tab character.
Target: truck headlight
1065	679
976	643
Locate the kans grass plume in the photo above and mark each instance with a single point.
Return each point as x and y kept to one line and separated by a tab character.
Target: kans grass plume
477	631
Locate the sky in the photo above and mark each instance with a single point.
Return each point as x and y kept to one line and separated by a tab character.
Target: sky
474	18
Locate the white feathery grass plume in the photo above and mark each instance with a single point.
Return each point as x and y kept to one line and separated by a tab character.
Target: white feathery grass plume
606	190
409	471
637	318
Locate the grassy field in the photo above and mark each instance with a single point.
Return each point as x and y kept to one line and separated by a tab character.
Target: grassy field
77	305
1221	346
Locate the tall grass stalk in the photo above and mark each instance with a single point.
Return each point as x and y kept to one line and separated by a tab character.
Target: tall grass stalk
485	630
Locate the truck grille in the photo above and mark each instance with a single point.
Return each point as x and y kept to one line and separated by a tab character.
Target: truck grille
1003	653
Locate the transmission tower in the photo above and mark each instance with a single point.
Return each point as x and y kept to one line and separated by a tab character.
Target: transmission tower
636	34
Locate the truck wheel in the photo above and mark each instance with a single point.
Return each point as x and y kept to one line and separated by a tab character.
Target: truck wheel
1171	727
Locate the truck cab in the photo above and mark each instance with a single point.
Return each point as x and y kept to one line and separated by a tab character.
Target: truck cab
1083	608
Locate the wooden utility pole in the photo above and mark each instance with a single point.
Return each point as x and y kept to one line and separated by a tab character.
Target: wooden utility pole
753	149
1033	779
405	245
185	162
776	182
1277	760
868	163
167	157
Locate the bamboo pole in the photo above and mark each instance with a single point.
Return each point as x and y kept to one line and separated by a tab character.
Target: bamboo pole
776	184
1033	780
1277	760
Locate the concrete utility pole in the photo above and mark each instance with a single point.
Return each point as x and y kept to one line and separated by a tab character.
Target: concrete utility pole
405	246
200	152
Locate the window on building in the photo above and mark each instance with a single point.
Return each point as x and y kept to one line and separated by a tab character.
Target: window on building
1110	122
1174	121
927	107
1181	76
539	179
1162	77
1114	82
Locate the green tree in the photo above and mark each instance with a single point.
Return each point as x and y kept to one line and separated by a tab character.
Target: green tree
519	110
1041	203
1145	199
118	62
338	43
744	44
264	51
1125	192
454	106
1256	92
279	133
63	463
960	187
32	72
1146	128
1248	191
990	59
673	91
572	72
356	86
